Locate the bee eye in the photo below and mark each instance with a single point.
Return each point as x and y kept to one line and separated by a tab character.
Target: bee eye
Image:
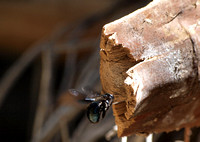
93	112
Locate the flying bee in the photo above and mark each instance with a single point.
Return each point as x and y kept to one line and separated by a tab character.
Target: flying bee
98	106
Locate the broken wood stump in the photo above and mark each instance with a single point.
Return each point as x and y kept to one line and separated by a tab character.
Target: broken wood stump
150	63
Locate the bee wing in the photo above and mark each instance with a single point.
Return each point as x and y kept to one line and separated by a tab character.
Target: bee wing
91	95
77	94
86	94
90	92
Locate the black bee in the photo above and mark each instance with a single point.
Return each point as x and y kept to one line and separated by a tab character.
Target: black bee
99	104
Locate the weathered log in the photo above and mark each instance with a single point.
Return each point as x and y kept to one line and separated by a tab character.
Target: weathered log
150	62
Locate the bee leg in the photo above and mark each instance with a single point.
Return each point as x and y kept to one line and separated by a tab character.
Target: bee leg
103	108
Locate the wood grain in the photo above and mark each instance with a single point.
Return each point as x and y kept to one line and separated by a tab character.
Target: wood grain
150	62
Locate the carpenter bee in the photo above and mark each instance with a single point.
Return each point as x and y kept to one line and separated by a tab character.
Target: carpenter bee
98	106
